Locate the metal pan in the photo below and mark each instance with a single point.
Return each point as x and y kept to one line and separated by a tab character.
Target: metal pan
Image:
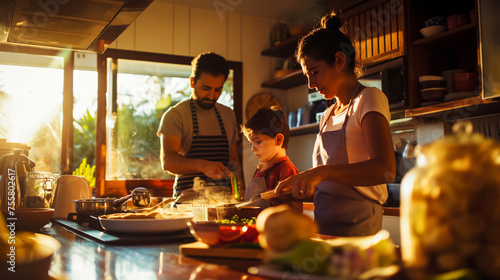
97	206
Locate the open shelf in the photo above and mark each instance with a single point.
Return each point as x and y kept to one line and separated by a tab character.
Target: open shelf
467	31
290	80
285	48
458	108
304	129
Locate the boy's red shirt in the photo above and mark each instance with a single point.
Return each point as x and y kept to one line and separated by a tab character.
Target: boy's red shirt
280	170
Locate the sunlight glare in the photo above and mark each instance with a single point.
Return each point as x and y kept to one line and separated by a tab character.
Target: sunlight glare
34	98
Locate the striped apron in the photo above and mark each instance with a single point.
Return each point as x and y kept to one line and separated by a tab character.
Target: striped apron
206	147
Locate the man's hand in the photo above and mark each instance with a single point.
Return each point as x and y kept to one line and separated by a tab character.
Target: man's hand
215	170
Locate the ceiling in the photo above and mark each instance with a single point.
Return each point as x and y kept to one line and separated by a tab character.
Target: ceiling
277	9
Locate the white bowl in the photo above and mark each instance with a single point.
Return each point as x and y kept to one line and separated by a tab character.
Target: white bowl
432	30
430	78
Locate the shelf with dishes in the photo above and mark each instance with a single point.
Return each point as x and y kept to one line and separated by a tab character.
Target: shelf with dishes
458	33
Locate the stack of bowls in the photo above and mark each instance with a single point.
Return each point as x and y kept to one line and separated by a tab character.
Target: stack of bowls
432	88
433	26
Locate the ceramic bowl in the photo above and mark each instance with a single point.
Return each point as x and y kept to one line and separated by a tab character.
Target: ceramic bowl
31	219
431	82
433	94
455	21
213	233
465	81
432	30
31	262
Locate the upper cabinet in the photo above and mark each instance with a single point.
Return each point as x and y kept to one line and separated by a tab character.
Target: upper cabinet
377	29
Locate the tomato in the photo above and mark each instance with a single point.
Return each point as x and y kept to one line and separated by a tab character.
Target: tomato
250	233
229	234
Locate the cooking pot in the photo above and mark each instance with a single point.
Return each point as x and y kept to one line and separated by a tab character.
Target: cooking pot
13	171
100	206
97	206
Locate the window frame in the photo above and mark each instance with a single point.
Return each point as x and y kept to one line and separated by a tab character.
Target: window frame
158	187
113	188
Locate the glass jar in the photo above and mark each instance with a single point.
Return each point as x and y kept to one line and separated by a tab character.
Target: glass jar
450	207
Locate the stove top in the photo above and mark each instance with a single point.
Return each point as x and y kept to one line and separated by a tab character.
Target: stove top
90	228
86	220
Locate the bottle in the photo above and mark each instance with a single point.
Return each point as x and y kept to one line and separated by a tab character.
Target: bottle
450	210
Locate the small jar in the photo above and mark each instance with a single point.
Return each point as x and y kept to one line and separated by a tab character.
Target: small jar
450	207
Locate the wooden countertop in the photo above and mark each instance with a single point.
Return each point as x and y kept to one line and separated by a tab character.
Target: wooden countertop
388	211
78	257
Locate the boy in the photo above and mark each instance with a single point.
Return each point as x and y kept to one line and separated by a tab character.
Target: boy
268	132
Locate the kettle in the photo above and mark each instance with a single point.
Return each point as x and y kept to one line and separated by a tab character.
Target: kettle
13	171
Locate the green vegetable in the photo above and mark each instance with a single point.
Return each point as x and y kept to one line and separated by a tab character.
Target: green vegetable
308	256
236	219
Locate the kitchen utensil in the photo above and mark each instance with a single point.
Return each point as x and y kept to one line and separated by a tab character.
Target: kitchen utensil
68	189
97	206
13	168
264	195
145	210
140	198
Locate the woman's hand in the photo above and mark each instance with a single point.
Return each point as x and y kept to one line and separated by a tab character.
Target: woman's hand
302	184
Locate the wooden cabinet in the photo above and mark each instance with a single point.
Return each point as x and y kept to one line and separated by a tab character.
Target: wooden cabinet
387	29
377	30
456	48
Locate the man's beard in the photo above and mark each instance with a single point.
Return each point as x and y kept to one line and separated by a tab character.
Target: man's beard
202	103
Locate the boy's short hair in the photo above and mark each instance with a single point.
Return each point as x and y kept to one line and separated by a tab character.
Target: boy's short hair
268	121
210	63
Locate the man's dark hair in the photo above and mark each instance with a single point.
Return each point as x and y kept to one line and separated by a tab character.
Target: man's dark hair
210	63
268	121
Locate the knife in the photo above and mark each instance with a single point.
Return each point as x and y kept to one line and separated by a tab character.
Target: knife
261	196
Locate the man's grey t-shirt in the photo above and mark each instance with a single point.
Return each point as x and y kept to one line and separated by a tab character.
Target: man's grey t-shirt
177	121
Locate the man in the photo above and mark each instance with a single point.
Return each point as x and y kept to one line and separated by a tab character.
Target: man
199	136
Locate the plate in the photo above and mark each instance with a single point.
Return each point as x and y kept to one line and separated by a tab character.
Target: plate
275	272
144	226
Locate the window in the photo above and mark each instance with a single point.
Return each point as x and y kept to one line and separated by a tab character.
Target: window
140	88
115	105
31	94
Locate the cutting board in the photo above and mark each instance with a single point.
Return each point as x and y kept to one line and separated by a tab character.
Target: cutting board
200	249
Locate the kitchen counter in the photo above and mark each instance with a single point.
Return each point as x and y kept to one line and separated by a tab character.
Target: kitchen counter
80	258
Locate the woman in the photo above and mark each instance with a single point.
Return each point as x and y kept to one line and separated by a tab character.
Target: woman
353	156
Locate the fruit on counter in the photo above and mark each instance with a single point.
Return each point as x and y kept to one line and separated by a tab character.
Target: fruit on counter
281	228
345	257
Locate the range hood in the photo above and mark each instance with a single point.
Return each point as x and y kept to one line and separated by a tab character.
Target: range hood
78	24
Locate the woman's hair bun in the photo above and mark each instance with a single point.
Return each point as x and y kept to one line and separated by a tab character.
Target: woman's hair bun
331	21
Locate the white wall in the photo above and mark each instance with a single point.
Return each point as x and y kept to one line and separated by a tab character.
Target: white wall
181	30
